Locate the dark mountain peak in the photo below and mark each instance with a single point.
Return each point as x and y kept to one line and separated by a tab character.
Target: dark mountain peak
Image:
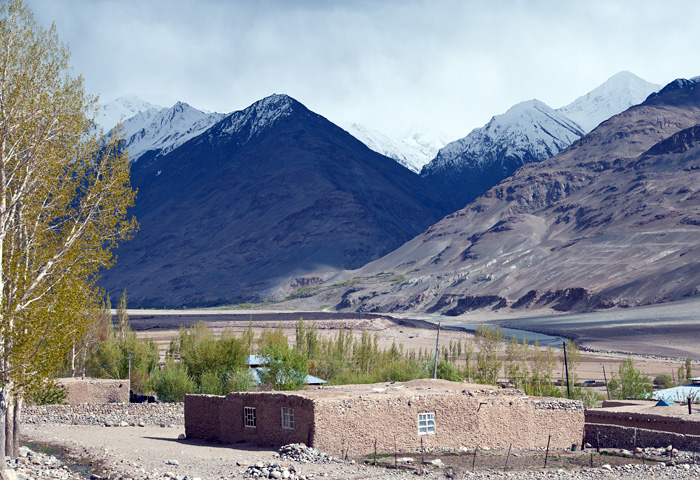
677	84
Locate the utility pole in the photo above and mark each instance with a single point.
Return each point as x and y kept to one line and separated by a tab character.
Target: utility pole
566	365
437	345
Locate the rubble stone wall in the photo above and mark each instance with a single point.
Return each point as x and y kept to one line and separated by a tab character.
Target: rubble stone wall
95	390
617	436
685	426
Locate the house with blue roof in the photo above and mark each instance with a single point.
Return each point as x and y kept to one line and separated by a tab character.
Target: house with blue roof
256	364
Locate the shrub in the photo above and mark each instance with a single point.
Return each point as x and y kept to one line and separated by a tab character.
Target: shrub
663	381
50	392
172	382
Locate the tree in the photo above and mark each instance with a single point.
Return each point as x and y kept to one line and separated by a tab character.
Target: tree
64	192
630	383
488	363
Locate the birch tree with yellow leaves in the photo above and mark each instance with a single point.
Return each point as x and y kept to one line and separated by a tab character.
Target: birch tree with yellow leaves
64	195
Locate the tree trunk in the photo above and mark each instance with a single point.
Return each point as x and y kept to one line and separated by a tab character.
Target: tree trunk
3	416
19	403
9	421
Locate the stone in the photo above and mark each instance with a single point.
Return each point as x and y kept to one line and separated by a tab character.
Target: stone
606	467
437	463
172	462
123	424
182	436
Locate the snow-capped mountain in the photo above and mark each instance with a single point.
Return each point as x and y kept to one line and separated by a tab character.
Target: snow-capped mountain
616	95
528	129
269	199
412	152
162	130
122	109
528	132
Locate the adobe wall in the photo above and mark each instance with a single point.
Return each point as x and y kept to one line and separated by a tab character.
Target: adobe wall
461	420
685	425
348	419
202	417
616	436
95	390
216	418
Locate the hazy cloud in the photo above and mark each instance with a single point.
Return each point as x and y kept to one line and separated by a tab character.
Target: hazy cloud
391	65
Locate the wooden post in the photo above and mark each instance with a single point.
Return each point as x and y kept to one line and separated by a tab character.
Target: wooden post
690	409
422	459
474	461
546	454
566	365
606	382
591	459
395	462
375	451
597	442
507	457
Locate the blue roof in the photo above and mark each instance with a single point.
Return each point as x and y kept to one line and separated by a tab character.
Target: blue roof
665	402
255	363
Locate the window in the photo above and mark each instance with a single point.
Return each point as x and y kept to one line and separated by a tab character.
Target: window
288	418
249	417
426	423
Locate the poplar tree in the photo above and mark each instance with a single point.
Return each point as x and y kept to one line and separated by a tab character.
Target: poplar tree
64	192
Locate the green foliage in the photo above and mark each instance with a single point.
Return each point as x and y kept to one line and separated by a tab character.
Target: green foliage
663	381
347	283
64	191
488	363
210	361
447	371
49	392
285	368
631	383
172	383
396	279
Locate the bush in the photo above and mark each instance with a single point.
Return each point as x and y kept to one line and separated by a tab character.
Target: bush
663	381
172	383
49	393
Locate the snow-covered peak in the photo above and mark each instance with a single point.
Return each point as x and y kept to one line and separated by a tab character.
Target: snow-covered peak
412	152
676	84
529	129
123	108
259	115
165	129
617	94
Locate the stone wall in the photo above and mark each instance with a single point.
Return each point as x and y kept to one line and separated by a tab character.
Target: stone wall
94	390
106	414
616	436
685	425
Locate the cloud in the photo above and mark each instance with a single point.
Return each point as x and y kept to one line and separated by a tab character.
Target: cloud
391	65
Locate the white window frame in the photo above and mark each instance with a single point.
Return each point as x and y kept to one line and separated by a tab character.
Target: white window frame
426	423
249	417
288	418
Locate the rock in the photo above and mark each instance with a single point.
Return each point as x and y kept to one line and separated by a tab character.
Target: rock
141	424
606	467
638	450
123	424
182	436
437	463
172	462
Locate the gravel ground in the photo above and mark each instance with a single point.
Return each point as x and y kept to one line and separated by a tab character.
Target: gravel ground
152	451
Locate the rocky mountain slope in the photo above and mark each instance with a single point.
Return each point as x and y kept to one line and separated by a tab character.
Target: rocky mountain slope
269	199
612	220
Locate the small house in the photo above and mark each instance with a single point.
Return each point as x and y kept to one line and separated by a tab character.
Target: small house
351	419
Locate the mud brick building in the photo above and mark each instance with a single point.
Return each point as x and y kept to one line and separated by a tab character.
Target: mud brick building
350	418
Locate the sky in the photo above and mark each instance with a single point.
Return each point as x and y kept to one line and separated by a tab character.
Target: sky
397	66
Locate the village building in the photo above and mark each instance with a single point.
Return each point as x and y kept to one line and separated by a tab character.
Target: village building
352	419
